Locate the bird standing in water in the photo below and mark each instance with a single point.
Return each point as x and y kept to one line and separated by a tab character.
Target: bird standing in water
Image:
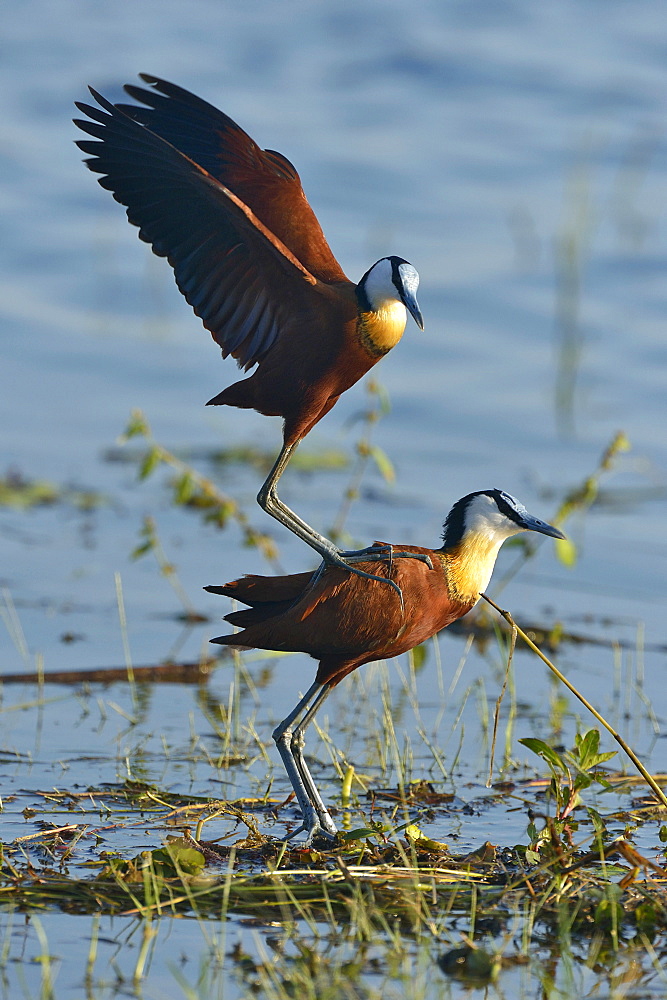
344	621
251	259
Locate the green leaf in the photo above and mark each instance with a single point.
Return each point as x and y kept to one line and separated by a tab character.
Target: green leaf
566	551
414	834
597	820
151	459
419	655
582	780
143	549
137	426
184	488
363	833
587	746
383	463
543	750
179	858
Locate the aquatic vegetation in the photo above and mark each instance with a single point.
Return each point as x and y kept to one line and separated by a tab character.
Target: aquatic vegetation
396	905
22	493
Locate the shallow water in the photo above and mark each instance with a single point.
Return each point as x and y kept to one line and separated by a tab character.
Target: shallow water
476	140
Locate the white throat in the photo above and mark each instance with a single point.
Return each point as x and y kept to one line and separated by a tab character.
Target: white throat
482	518
380	288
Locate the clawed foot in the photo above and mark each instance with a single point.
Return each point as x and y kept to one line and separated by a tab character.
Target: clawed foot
313	834
313	828
383	553
345	559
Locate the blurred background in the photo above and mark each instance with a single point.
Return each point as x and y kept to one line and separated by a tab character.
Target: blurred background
514	152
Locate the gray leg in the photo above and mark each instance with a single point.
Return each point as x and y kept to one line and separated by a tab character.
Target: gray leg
270	502
297	744
315	816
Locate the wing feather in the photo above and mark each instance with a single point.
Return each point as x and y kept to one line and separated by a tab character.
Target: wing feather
263	179
238	275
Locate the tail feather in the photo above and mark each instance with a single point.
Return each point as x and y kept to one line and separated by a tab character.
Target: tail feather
255	590
267	597
253	616
234	395
231	640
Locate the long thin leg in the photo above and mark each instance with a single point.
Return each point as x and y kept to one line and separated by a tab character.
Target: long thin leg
297	744
269	501
315	817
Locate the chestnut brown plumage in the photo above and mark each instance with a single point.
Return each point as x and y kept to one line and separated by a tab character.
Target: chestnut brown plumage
251	259
345	621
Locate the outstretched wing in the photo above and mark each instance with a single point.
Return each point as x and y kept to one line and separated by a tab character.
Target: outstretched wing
262	178
245	284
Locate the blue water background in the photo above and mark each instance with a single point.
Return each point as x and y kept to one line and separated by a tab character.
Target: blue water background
471	138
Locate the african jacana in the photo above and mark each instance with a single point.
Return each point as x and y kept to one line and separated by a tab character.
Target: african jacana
344	621
251	259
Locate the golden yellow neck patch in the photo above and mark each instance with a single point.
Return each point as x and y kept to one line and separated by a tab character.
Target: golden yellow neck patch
470	564
381	329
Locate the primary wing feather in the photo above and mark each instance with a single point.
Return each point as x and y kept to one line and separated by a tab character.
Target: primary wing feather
237	275
262	178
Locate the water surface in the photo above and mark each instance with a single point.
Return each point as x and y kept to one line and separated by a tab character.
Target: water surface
488	144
